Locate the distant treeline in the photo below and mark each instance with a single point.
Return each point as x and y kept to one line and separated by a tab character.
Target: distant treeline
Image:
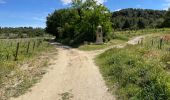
21	32
137	18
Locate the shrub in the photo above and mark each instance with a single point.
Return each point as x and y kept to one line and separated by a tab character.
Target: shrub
137	78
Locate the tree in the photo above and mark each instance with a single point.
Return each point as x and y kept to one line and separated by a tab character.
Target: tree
79	22
126	25
141	24
21	32
77	4
150	18
166	22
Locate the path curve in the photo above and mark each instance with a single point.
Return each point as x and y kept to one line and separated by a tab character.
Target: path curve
72	76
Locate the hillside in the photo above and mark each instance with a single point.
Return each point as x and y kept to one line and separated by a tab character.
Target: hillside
137	18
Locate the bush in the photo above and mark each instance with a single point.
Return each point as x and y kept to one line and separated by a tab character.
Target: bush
136	77
79	24
166	60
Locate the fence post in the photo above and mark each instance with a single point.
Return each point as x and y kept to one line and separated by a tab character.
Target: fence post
28	46
17	49
33	46
39	43
152	42
7	57
142	42
161	41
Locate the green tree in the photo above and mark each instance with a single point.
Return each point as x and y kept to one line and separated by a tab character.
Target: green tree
141	24
166	22
79	22
150	18
126	25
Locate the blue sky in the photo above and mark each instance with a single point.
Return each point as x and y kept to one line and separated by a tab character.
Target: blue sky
17	13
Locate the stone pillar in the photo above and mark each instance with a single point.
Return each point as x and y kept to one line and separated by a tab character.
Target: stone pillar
99	35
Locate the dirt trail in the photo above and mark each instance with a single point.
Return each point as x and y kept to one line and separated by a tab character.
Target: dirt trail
132	41
73	76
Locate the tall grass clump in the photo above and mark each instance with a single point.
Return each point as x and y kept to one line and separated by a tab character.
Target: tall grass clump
135	76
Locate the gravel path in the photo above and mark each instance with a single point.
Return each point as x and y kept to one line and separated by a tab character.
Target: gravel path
73	75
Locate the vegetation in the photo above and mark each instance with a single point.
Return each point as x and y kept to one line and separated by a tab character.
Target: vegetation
22	67
133	19
78	23
126	35
90	47
166	19
138	72
21	32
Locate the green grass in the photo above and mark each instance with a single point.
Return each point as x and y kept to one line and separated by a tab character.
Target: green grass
126	35
17	76
138	72
92	47
120	37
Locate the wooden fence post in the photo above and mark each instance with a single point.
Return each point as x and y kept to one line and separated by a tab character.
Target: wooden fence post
152	42
161	41
33	46
28	46
16	54
7	57
141	41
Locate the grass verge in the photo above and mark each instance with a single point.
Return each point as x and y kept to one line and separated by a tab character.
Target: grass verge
92	47
16	77
137	72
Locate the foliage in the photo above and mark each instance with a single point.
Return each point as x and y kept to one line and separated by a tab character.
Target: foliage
137	71
21	32
90	47
126	35
137	18
78	23
166	22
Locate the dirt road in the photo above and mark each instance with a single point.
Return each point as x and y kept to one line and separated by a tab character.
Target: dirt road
73	75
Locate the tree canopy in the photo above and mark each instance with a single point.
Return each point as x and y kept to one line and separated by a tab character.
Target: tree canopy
79	22
137	18
166	22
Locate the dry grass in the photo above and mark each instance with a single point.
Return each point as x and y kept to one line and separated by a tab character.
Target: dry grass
25	75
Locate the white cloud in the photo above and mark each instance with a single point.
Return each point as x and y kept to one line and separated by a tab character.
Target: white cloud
2	2
101	1
39	18
66	2
118	9
166	5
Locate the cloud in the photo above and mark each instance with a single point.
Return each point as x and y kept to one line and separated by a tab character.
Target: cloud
166	5
39	18
118	9
2	2
101	1
66	2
